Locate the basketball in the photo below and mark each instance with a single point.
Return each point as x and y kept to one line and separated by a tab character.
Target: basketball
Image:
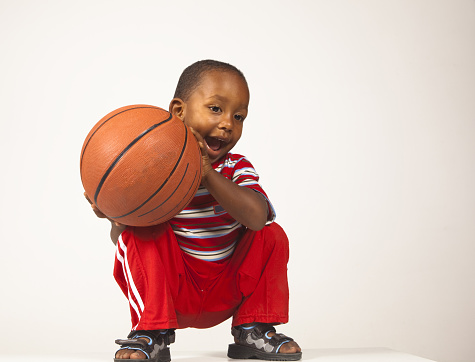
140	165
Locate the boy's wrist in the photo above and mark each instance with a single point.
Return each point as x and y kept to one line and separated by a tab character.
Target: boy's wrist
205	174
116	230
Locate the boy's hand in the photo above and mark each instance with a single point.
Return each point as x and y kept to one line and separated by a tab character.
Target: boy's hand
116	227
207	168
98	212
243	204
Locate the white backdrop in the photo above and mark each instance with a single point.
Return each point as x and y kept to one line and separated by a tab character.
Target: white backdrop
361	125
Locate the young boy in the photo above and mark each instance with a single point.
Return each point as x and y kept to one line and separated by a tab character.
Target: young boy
223	255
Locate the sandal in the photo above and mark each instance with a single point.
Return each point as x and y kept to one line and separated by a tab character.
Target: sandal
156	349
254	343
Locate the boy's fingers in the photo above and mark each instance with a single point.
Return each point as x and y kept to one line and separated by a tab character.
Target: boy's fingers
98	212
198	137
87	198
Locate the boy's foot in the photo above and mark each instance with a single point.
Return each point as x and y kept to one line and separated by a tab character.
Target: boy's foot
130	354
146	346
260	341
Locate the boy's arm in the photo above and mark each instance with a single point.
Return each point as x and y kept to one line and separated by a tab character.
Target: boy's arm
245	205
116	230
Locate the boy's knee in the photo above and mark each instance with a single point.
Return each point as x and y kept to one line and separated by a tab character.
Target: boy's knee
273	233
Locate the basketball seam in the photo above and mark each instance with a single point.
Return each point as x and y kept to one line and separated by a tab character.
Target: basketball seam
173	193
107	120
163	184
186	203
190	196
124	151
192	187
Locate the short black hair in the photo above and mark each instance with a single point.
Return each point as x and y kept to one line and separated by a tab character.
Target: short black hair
191	77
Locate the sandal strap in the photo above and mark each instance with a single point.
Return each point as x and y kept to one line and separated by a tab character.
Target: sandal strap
257	337
168	335
157	341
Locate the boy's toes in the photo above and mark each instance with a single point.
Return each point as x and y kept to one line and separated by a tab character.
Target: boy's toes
129	354
120	354
290	347
138	355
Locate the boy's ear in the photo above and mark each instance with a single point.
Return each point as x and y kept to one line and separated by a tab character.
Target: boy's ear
177	108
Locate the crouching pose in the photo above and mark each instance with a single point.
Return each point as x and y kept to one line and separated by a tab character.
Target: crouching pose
223	256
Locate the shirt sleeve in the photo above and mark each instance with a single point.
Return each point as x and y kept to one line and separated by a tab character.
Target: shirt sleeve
245	175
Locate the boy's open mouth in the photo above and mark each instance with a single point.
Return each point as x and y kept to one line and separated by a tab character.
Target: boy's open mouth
215	144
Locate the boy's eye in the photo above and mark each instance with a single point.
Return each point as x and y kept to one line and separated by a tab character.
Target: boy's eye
239	118
215	109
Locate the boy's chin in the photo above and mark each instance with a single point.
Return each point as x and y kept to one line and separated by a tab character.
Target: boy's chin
216	156
214	159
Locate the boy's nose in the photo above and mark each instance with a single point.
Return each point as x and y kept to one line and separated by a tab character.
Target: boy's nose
226	123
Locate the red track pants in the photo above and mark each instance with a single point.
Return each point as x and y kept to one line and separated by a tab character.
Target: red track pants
167	288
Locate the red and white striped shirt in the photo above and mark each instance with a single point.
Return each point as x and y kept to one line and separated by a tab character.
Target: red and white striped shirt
204	229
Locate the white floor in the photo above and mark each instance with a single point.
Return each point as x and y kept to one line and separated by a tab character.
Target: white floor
320	355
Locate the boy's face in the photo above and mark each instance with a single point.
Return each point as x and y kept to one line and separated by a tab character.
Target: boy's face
216	110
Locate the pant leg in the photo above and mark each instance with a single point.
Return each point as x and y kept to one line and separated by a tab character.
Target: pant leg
254	286
262	277
149	270
164	290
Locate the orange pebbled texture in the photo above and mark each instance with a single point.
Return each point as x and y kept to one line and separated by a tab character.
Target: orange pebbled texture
140	165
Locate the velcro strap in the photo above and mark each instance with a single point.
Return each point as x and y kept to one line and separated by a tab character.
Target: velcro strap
133	342
279	338
262	329
258	331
